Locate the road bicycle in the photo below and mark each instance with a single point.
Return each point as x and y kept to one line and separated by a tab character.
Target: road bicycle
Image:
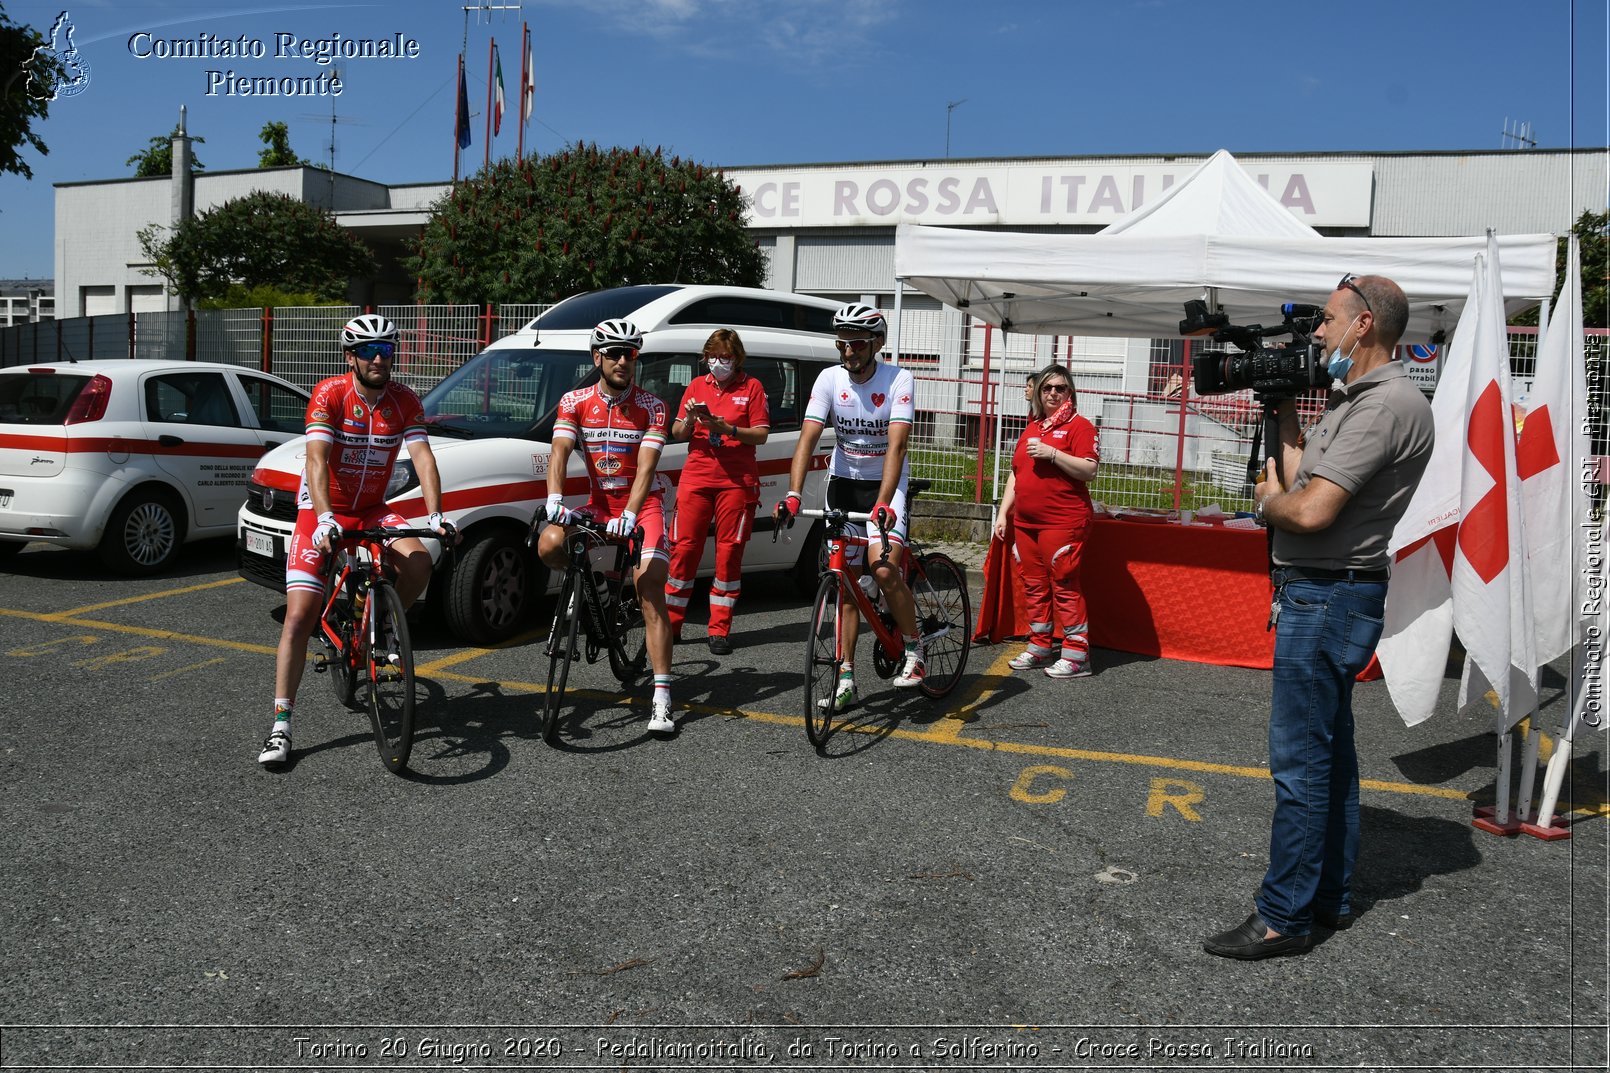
944	617
363	634
596	612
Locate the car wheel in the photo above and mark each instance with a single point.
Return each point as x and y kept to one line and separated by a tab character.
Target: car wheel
144	533
492	588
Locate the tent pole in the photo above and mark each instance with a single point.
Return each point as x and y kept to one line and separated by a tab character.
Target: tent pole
1179	449
894	331
983	415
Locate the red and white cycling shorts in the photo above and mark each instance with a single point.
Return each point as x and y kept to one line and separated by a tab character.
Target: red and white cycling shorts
304	562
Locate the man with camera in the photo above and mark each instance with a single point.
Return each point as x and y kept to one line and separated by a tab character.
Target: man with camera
1351	478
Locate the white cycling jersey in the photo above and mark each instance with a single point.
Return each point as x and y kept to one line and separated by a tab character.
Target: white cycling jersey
861	416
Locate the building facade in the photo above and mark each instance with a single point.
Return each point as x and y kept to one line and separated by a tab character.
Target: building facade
829	228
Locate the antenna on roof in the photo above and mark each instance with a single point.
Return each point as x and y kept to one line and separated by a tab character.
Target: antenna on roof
1517	135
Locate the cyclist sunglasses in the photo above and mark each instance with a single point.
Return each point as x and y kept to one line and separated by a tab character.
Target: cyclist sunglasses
376	351
621	353
857	345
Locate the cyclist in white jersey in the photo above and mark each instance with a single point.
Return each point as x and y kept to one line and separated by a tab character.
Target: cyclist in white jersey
871	406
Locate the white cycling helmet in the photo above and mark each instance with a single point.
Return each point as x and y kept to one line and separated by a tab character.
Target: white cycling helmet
858	316
367	328
617	333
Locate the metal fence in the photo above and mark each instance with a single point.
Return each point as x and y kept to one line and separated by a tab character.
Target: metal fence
1161	446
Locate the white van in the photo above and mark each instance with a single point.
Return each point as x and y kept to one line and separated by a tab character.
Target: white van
491	422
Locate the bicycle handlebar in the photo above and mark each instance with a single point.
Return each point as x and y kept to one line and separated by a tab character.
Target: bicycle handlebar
380	532
840	517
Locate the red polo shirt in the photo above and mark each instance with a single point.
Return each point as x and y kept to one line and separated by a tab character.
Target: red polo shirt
721	461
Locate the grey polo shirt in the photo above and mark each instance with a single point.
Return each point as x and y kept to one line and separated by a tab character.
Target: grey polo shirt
1374	440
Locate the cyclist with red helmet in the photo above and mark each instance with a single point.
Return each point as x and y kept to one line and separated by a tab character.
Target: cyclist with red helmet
356	424
871	406
621	430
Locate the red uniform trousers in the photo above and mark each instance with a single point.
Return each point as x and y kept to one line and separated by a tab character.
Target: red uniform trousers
734	513
1048	562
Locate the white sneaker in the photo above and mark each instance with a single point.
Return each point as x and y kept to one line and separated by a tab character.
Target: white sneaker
277	749
660	721
1068	668
911	676
1032	657
844	696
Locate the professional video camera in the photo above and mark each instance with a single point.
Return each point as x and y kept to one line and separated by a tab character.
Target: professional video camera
1272	372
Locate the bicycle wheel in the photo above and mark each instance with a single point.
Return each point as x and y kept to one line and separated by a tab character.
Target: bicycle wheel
944	618
628	649
341	664
562	638
390	665
822	659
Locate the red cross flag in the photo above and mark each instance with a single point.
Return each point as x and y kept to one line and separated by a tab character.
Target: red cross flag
1460	547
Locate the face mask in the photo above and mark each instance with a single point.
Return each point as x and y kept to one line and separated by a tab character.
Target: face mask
1338	366
721	369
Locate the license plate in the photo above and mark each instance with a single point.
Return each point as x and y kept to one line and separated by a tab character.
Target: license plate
259	543
5	498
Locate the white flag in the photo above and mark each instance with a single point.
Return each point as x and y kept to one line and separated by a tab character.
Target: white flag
1550	455
1418	629
1492	610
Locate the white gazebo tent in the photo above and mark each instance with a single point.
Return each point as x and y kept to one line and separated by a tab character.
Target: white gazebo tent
1217	236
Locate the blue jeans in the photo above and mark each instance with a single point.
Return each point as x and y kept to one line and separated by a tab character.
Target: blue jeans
1325	635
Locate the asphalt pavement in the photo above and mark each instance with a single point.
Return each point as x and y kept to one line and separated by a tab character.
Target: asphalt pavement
1018	877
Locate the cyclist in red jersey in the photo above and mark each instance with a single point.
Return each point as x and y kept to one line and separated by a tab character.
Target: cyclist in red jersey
621	429
356	424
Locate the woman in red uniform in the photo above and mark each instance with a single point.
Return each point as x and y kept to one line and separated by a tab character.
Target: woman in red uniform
724	415
1048	501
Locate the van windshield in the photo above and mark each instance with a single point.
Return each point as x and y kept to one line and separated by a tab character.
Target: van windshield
506	392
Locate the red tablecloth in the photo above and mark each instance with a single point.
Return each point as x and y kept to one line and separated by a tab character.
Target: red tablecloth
1191	592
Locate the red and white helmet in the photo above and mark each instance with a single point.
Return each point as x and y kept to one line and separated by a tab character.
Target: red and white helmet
617	333
858	316
367	328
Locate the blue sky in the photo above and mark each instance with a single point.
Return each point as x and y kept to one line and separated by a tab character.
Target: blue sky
749	82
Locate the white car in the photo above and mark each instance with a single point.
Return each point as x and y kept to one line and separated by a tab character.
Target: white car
133	458
492	419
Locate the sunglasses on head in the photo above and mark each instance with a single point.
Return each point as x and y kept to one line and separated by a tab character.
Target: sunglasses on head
375	351
1347	284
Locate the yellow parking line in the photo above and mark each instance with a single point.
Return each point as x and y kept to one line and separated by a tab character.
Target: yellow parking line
934	736
139	631
58	616
438	665
1017	748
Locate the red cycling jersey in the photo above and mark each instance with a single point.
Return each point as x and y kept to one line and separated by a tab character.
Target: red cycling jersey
364	440
611	432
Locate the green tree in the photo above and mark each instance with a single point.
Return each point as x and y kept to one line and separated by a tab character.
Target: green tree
258	239
156	160
1592	230
278	154
22	74
542	228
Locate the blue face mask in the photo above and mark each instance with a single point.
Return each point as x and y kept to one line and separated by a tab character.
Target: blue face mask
1338	366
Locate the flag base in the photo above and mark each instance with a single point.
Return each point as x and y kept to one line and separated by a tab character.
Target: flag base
1484	820
1554	832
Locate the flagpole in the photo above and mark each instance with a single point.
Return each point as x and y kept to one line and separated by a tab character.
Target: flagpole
525	50
491	45
458	107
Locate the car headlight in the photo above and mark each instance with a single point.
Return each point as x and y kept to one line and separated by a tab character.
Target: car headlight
403	478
